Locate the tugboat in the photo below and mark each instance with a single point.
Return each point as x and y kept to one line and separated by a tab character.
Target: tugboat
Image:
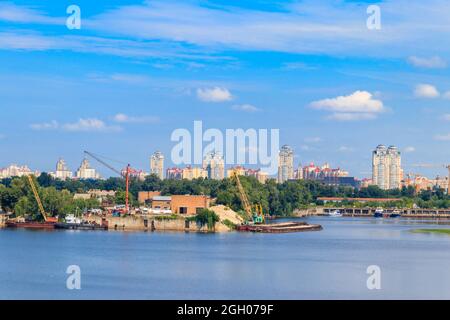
74	223
379	213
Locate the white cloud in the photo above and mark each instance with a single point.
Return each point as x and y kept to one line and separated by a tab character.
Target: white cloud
360	105
89	124
358	101
426	91
446	95
345	149
52	125
215	94
123	118
409	149
21	14
82	125
446	117
302	26
442	137
321	27
431	63
313	139
245	108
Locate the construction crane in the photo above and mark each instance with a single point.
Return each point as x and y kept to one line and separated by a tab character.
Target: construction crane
39	202
124	174
255	218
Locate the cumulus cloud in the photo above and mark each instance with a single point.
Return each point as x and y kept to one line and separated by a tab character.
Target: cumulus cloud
123	118
245	108
431	63
89	124
359	105
426	91
215	94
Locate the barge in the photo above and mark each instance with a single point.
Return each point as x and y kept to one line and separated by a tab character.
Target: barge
30	225
286	227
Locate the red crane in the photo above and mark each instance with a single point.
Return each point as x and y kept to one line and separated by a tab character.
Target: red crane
124	174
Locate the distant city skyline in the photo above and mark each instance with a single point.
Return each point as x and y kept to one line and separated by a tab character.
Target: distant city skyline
138	70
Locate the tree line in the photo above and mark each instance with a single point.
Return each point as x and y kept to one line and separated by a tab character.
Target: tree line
276	199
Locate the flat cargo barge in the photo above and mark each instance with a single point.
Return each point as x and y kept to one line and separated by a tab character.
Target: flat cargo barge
30	225
279	227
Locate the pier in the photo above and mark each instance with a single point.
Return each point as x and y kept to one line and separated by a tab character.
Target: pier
409	213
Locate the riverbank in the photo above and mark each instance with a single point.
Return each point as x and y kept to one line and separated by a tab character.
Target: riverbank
432	231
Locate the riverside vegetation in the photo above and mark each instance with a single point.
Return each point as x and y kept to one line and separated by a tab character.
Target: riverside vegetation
276	199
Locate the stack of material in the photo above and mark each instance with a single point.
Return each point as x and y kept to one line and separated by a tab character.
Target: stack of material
226	213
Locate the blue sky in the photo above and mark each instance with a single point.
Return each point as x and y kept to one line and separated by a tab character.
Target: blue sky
312	69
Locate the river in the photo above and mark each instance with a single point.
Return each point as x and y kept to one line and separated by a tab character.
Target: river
327	264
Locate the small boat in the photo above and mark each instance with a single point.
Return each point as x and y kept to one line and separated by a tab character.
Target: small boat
335	213
379	213
395	214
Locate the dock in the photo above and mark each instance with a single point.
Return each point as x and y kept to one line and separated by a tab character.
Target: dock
406	213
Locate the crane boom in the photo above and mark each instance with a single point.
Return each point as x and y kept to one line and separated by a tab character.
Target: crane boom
123	174
243	196
103	163
39	202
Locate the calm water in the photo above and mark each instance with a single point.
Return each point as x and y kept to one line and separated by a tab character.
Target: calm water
329	264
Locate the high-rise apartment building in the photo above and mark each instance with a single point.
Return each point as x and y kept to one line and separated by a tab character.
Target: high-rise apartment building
86	172
157	164
214	165
386	167
62	171
190	173
285	164
15	170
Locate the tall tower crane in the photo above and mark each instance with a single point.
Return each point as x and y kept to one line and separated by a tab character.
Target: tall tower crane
124	174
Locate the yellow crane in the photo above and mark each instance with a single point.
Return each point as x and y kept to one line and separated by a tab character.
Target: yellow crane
39	202
255	218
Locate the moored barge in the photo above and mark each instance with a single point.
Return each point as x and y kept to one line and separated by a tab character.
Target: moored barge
279	227
30	225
